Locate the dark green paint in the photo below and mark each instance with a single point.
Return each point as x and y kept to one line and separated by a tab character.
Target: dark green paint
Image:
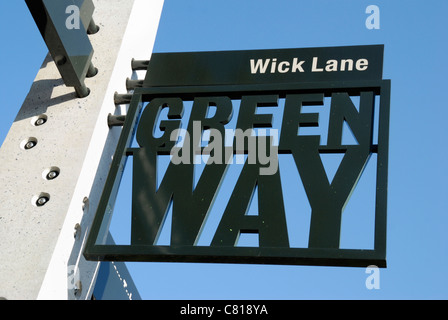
70	48
269	224
233	67
191	205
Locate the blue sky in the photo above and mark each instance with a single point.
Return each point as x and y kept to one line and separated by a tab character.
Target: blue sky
415	37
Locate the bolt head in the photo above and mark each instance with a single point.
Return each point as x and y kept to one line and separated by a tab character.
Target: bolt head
40	121
78	289
30	145
52	175
42	201
77	230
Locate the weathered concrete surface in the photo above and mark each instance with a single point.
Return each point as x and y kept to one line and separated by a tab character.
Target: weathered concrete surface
37	244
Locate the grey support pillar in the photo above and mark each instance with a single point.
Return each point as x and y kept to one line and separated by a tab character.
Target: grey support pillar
56	157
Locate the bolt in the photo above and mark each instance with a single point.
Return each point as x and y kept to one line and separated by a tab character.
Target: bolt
78	288
30	145
40	121
85	204
77	230
42	201
52	175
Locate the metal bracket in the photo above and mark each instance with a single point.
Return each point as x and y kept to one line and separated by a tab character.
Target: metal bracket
69	45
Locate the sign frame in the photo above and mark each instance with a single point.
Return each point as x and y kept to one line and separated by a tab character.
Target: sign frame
97	250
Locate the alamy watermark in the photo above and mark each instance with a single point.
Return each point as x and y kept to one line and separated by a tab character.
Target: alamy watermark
73	21
260	149
373	20
373	280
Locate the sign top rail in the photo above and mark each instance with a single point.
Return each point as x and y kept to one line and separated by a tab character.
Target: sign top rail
348	63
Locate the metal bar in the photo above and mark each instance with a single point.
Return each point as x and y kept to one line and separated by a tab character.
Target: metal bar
132	84
92	71
93	27
82	91
115	121
68	44
122	98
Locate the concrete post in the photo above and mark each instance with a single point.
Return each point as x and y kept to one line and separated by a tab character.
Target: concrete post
56	157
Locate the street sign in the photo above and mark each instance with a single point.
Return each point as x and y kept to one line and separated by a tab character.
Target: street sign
236	85
265	66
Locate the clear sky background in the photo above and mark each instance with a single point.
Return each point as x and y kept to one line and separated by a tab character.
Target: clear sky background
415	37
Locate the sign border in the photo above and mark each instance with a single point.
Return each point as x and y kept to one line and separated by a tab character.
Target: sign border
96	249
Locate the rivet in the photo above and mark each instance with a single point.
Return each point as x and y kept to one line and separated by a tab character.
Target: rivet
52	175
30	145
42	201
78	288
85	203
40	121
77	230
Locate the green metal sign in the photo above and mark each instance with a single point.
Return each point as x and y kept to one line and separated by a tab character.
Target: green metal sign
265	66
181	139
